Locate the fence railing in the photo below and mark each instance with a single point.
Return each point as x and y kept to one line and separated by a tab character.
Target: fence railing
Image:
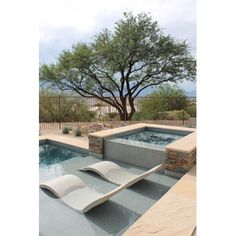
57	110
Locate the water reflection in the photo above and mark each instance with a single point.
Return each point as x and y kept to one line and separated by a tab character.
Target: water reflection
111	217
49	154
150	189
48	172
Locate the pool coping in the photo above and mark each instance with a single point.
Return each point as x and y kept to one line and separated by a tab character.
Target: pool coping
184	144
185	188
114	131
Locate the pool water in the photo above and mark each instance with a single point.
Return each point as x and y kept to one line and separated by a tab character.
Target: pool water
154	137
114	216
50	154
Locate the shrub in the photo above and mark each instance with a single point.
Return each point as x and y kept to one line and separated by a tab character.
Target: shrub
78	132
72	109
66	130
113	115
166	98
138	116
110	116
177	115
159	104
162	115
192	110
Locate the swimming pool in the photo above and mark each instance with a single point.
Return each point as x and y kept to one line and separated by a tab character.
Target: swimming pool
51	154
113	217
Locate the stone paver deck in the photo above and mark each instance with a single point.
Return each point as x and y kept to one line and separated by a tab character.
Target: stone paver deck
174	214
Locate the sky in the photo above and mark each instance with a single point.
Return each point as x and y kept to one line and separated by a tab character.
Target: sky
63	23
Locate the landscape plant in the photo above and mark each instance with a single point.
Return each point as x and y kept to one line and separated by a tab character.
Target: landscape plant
117	66
77	132
71	108
168	102
65	130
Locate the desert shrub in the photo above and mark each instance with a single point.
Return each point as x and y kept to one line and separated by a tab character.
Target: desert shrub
77	132
167	98
71	109
66	130
138	116
111	116
173	115
192	110
168	115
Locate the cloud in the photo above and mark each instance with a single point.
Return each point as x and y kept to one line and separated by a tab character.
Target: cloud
59	39
65	22
76	20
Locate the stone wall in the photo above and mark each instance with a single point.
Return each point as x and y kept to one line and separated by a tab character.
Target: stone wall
96	146
178	163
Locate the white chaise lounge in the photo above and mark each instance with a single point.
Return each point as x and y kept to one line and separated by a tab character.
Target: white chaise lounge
77	195
116	174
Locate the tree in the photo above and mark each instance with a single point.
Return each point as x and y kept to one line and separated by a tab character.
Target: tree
117	66
166	98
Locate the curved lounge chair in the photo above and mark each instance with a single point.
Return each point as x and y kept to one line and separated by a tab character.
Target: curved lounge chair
77	195
116	174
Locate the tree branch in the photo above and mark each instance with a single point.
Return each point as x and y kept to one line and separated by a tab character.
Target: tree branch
108	76
93	76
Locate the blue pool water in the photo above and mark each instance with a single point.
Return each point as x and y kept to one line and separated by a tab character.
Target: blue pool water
113	217
154	137
50	154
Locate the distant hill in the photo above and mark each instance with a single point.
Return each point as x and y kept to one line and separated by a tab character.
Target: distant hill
191	93
146	92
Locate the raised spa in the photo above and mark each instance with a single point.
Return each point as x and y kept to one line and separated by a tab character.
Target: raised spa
143	147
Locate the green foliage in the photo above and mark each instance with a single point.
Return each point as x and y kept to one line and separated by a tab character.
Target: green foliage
66	130
78	132
134	56
166	98
192	109
71	109
160	103
163	115
139	116
112	116
173	115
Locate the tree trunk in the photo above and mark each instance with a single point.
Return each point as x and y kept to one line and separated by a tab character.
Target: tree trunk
123	112
124	115
131	103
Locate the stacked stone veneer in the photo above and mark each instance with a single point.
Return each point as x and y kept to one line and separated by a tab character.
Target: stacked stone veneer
96	146
177	163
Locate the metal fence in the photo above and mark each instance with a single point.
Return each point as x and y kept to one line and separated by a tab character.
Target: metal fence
58	111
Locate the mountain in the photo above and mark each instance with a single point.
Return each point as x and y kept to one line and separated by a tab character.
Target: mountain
191	93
